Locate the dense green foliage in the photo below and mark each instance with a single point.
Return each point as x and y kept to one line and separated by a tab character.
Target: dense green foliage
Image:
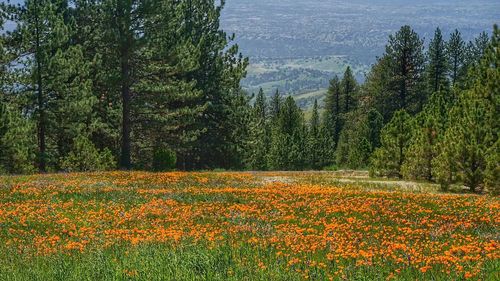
122	78
454	139
97	85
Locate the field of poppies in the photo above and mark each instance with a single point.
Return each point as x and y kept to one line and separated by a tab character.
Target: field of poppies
242	226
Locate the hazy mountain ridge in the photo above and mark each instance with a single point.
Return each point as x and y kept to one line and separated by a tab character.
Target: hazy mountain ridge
270	31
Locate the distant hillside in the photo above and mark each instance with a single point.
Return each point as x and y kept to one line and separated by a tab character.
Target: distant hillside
296	46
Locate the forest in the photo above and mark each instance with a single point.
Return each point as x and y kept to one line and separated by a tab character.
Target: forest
155	85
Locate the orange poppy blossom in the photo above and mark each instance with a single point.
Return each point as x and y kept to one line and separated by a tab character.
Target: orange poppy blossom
311	226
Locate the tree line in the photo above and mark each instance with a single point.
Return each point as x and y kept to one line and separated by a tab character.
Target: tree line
422	114
104	84
101	84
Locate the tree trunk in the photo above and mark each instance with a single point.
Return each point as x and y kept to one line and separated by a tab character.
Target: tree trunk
40	100
126	41
125	162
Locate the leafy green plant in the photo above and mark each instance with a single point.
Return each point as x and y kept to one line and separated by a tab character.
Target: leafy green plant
164	159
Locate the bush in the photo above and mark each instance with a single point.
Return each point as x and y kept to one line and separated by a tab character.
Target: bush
331	168
164	159
85	157
17	143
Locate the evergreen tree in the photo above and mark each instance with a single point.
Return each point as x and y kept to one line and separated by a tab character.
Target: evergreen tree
84	157
315	153
166	103
259	135
218	76
92	22
437	69
405	61
124	34
429	130
354	148
473	135
288	138
349	87
275	105
455	51
332	113
55	77
388	159
17	144
376	91
375	124
476	49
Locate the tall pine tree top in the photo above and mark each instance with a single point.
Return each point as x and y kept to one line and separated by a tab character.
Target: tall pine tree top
404	53
437	68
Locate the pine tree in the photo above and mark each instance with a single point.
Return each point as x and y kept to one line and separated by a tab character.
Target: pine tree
84	157
377	90
388	159
314	148
288	138
476	49
332	113
473	135
455	51
259	135
221	67
354	148
437	69
275	105
17	144
55	76
375	122
428	132
166	103
349	87
405	61
92	33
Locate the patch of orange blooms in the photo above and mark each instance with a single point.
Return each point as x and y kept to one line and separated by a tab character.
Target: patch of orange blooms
314	225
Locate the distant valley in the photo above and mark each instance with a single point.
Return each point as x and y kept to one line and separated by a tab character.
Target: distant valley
297	46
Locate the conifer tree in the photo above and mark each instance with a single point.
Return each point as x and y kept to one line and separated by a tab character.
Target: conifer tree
17	143
221	67
314	147
354	148
349	87
437	69
55	76
388	159
405	61
275	105
375	124
428	132
288	138
472	137
332	113
122	19
166	102
455	51
476	49
376	90
259	135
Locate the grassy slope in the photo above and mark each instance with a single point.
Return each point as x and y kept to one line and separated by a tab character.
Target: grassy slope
240	226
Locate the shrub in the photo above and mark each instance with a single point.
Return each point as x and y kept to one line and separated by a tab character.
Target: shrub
164	159
17	143
85	157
